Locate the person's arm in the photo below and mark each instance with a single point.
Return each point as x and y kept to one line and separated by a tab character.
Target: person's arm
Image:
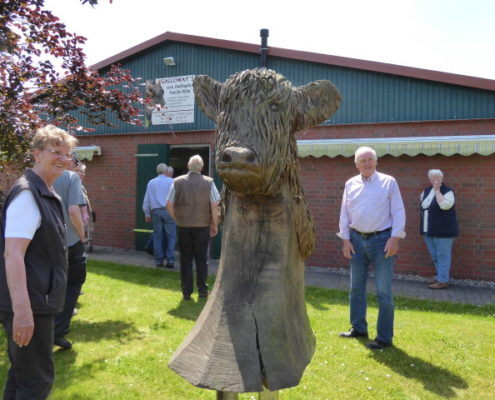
15	270
344	231
75	201
77	221
169	205
445	201
215	211
170	209
398	214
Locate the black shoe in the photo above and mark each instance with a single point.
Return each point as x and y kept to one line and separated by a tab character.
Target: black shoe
148	250
62	342
186	297
170	265
377	345
352	333
204	295
159	265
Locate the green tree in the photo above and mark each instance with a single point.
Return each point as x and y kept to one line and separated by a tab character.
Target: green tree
43	77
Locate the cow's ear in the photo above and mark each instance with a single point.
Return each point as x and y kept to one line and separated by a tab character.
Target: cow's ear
207	93
315	103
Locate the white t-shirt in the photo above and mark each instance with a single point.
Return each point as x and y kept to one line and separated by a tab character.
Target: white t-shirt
23	216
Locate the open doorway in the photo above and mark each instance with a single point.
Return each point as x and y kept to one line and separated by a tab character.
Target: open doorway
179	156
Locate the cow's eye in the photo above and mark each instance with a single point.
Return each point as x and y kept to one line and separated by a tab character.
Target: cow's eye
274	107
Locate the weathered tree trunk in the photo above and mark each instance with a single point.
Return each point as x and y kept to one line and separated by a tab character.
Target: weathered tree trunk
254	331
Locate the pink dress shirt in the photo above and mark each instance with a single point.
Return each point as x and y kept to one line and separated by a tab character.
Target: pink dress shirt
370	205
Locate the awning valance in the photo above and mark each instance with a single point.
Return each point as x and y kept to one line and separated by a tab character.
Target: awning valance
397	146
87	152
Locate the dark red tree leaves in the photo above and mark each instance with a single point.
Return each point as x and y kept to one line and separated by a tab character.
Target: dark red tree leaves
43	78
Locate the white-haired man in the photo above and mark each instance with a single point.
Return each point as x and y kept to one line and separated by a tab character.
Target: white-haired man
193	203
372	219
155	212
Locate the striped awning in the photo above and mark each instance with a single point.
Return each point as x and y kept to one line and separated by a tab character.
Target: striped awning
87	152
397	146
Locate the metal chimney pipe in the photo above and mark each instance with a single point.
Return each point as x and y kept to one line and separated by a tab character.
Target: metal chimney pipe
264	48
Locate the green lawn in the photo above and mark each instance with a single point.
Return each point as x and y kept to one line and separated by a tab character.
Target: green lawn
132	319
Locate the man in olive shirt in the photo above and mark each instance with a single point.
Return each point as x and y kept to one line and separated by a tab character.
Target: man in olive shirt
193	203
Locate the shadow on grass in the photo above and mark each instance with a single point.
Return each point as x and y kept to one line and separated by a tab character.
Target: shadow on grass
323	299
188	309
136	275
435	379
319	298
87	331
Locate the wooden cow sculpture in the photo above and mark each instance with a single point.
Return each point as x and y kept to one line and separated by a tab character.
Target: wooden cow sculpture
254	330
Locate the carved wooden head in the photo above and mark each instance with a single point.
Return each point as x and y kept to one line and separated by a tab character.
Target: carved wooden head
257	113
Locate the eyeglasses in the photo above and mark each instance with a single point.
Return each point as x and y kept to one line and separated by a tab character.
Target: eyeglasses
58	154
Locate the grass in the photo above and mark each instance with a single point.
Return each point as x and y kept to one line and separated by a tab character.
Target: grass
132	319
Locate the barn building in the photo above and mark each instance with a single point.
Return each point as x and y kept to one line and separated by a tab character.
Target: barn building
415	119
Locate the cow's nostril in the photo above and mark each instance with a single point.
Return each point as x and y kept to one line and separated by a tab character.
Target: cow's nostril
250	158
226	157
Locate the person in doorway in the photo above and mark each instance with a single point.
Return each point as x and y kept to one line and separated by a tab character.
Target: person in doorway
193	203
69	187
155	212
33	267
372	220
438	226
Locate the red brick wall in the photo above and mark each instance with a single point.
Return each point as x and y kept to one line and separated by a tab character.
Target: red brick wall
472	178
473	181
111	182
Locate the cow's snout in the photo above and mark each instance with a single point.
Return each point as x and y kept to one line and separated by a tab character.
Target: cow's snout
238	156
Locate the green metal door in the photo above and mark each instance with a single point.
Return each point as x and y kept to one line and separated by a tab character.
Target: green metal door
148	157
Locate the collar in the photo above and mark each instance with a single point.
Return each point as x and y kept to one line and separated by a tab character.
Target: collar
370	179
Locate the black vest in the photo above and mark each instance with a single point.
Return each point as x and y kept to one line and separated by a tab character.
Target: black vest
441	223
46	255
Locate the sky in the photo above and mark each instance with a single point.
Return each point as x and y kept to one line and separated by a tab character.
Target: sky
456	36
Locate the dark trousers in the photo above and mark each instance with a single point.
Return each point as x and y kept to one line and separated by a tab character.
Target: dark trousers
31	372
76	276
193	245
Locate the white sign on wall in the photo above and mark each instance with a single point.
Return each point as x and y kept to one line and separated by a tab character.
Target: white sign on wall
177	106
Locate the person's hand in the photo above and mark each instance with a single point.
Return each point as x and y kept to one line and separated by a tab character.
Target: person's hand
392	247
348	249
213	230
23	327
147	219
436	185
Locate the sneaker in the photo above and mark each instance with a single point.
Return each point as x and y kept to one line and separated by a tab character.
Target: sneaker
170	265
352	333
63	343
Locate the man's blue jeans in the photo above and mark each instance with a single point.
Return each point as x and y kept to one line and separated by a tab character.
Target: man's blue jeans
441	252
163	223
368	251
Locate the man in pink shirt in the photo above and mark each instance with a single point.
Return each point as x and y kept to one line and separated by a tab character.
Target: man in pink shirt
372	219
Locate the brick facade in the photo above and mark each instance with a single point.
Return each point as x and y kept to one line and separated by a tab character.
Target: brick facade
111	180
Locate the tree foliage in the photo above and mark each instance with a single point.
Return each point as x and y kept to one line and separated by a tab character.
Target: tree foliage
43	77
